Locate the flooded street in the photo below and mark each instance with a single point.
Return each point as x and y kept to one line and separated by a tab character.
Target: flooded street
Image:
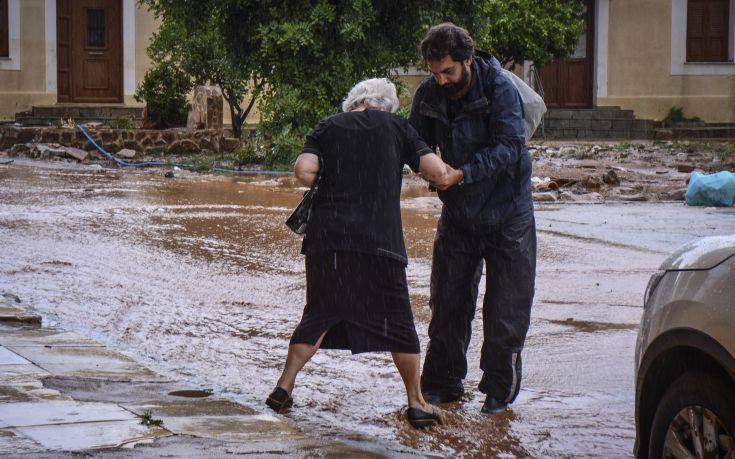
199	277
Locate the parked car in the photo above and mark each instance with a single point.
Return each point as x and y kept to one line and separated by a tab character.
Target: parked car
685	369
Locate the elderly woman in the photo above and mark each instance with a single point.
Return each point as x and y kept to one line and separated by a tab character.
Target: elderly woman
356	289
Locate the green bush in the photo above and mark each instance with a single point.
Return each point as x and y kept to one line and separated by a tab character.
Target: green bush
282	149
202	163
287	115
123	122
252	152
676	115
164	90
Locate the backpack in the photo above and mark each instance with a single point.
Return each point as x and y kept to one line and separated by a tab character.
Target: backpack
533	104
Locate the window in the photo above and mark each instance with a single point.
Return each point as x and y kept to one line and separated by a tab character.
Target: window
708	30
4	31
95	27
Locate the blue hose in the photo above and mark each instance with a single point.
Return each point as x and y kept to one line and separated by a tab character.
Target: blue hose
249	171
123	163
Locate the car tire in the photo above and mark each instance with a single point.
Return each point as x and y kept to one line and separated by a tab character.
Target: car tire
697	390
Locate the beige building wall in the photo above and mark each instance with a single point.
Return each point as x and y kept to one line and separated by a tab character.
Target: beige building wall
637	43
643	59
23	74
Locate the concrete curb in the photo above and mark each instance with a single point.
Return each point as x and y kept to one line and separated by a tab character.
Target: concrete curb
62	392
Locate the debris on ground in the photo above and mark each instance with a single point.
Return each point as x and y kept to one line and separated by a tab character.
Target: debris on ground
76	153
548	196
575	171
539	184
126	153
611	178
592	183
625	171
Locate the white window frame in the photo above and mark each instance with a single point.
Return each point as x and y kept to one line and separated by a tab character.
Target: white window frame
12	62
679	64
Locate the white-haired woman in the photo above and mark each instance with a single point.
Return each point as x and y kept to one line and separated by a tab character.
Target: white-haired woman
356	289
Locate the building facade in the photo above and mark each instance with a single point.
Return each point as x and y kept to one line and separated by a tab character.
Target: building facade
643	55
71	51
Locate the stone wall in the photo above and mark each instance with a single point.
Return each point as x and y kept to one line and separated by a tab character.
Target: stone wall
148	142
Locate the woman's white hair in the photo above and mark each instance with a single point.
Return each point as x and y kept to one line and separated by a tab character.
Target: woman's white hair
376	93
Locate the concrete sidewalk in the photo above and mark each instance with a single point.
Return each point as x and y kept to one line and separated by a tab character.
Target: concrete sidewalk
63	393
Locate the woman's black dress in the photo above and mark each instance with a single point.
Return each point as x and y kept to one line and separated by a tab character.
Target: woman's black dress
356	287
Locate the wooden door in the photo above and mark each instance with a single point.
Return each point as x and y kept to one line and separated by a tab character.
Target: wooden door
90	50
569	83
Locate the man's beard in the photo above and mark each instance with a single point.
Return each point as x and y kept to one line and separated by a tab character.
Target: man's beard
452	89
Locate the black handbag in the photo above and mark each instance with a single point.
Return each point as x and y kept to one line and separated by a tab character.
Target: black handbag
300	217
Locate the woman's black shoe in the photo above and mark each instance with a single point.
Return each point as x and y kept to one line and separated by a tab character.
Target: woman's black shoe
279	400
421	419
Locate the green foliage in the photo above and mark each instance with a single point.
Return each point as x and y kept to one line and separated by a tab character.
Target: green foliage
404	111
282	148
305	55
68	123
123	122
251	152
676	115
190	39
202	163
164	90
518	30
316	51
147	420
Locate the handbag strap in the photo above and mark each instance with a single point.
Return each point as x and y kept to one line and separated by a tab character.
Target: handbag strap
319	174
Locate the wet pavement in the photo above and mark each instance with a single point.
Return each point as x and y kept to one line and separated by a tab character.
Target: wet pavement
198	278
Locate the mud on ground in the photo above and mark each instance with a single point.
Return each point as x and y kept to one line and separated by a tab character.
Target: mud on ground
562	170
628	171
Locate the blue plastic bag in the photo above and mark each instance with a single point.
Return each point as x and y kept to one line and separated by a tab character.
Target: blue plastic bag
711	190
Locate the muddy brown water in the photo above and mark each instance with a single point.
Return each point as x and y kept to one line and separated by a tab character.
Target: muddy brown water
199	277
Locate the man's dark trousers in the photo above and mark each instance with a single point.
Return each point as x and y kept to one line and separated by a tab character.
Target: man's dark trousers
509	252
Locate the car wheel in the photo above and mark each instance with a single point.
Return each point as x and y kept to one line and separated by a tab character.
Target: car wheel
694	419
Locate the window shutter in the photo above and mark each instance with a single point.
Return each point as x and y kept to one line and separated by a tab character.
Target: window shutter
719	30
708	30
4	32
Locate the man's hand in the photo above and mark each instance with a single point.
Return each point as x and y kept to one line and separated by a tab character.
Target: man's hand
448	180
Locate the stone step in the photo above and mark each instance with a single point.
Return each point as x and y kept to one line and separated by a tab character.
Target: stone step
47	115
592	134
600	113
86	111
721	131
39	121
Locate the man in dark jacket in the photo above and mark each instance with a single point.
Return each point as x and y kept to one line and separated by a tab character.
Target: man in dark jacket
473	115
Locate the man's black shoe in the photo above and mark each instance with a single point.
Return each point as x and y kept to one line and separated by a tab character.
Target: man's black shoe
493	406
433	397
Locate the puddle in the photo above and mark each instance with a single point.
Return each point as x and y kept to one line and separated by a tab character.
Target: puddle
201	277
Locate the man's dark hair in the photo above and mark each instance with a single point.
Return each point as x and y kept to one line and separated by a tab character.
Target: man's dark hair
447	39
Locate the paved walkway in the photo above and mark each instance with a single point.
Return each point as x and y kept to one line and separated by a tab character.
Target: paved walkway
62	392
